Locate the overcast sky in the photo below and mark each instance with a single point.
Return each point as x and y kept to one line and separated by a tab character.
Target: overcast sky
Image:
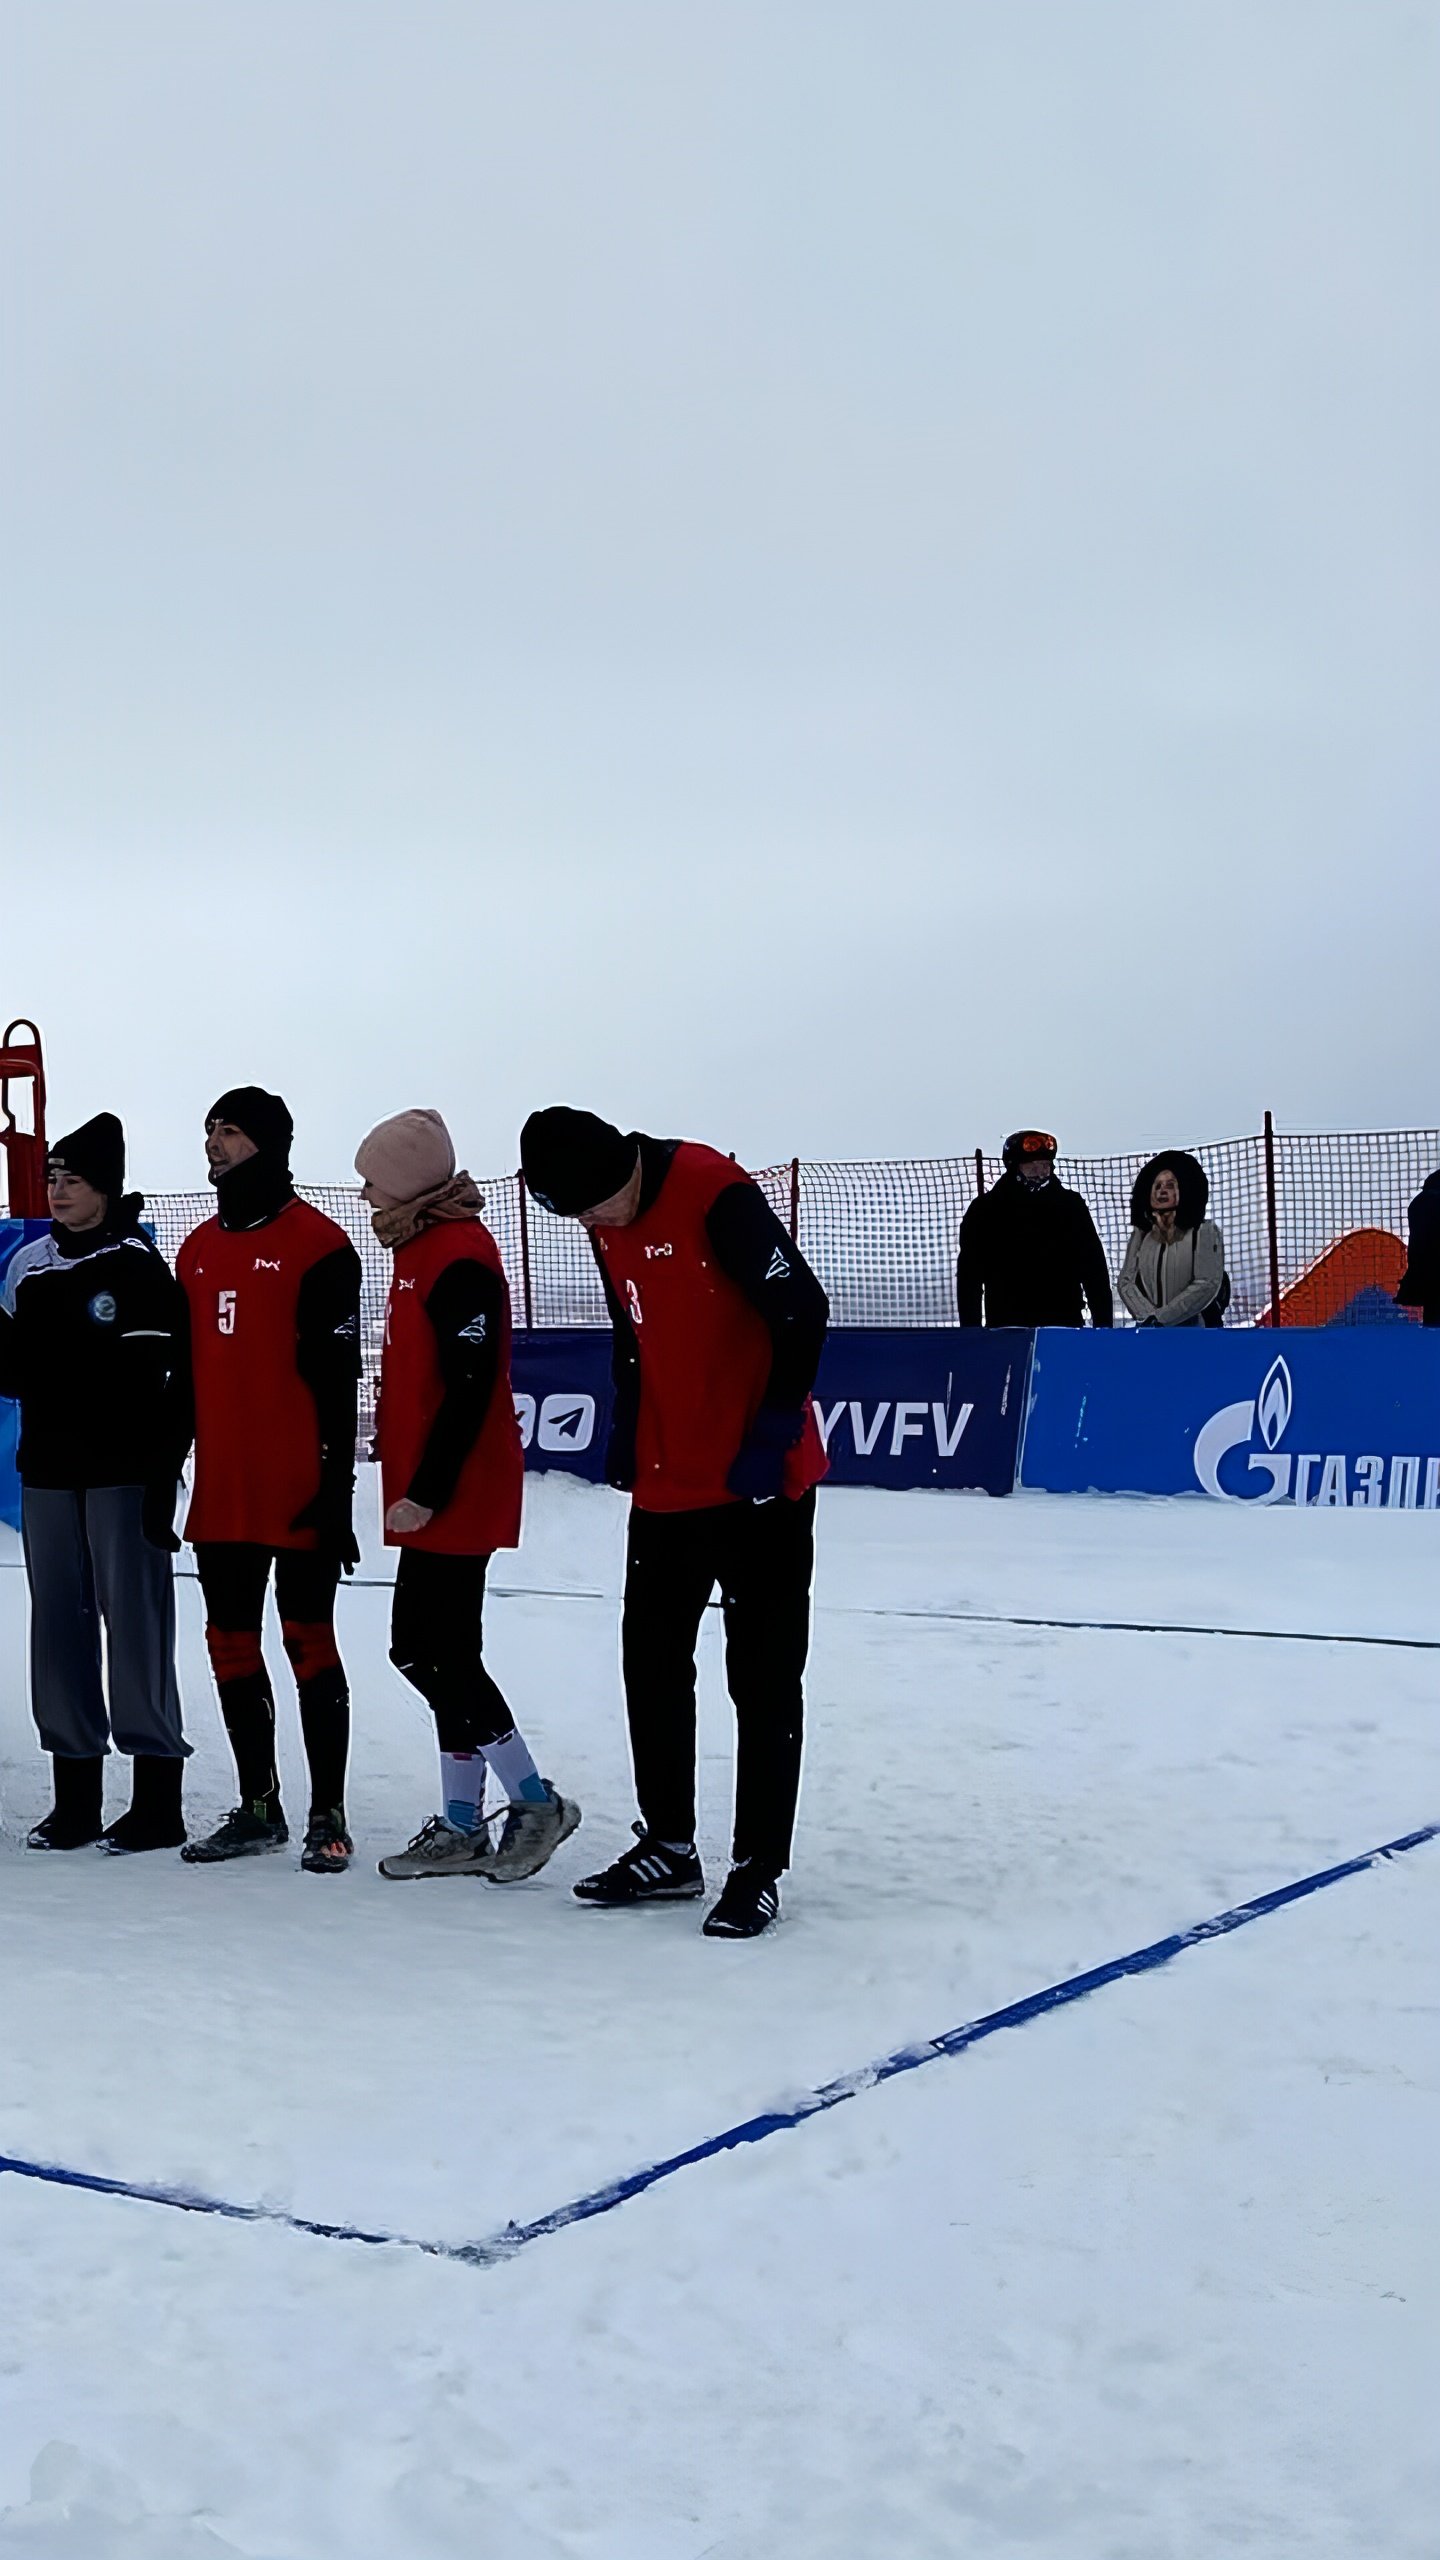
826	577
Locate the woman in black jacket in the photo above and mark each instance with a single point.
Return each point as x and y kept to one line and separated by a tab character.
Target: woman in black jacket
89	1316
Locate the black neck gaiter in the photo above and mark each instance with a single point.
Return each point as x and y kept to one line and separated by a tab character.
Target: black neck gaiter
122	1218
254	1192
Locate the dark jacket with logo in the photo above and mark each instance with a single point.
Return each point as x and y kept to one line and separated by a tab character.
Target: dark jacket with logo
1420	1286
88	1337
1031	1256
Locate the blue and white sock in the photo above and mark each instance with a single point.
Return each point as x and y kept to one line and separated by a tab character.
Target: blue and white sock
462	1788
514	1769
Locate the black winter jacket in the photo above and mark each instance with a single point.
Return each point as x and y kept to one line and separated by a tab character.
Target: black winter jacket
88	1336
1031	1256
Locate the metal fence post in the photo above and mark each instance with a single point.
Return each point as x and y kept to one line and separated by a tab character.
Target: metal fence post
1272	1221
525	1296
979	1170
794	1199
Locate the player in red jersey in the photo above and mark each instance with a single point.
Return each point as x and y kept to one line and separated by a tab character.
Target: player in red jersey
451	1471
273	1292
719	1325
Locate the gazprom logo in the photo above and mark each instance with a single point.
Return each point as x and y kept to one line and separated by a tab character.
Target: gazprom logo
1274	1404
1310	1478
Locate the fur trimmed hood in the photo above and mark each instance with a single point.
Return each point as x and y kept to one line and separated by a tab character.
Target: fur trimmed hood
1194	1185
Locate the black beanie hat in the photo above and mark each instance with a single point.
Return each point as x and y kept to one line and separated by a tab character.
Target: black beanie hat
96	1152
571	1161
261	1115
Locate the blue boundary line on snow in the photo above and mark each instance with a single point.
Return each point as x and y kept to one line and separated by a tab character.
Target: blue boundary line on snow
911	2057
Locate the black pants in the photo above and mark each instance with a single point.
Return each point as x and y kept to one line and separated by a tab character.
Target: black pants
435	1643
763	1557
233	1579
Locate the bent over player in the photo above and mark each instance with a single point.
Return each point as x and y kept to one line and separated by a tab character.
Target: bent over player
273	1293
451	1475
719	1325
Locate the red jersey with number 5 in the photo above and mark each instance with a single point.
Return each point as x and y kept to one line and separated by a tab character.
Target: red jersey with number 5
257	1435
483	1512
705	1353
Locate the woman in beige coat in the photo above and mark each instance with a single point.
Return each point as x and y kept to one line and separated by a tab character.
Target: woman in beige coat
1174	1267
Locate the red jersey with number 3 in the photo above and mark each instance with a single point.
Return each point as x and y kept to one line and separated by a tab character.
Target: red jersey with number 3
705	1352
257	1436
483	1512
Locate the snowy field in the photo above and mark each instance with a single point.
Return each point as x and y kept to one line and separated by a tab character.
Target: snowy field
1153	2278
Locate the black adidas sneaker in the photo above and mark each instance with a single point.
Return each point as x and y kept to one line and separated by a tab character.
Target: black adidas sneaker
749	1902
647	1873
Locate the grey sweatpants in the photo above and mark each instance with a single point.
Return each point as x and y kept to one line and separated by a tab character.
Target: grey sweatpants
88	1560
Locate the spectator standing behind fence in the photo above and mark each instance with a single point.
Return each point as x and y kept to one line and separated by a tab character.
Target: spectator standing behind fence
91	1326
1420	1285
1174	1267
1029	1253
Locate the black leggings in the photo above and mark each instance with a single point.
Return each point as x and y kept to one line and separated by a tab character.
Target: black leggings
435	1643
233	1579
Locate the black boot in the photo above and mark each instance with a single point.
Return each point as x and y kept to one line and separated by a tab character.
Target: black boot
154	1820
77	1816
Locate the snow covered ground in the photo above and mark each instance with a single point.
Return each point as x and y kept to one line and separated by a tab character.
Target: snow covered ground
1155	2278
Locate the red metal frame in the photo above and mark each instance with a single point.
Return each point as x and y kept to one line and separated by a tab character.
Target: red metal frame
25	1149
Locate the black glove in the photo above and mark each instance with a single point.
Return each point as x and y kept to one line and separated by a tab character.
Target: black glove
329	1515
758	1474
157	1517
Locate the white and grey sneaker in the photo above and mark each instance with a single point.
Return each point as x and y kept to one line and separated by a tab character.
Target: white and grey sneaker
439	1849
531	1835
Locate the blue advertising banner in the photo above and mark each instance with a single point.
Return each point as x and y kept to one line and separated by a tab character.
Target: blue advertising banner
13	1233
561	1378
940	1407
1327	1418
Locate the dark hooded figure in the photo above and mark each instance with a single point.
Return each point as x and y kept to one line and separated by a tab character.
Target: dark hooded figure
1420	1285
1174	1267
91	1332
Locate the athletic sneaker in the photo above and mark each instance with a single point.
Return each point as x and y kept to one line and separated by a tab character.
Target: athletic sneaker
647	1873
440	1848
749	1901
328	1846
246	1832
532	1834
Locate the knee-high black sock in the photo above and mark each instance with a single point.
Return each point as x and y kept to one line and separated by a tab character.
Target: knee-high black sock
249	1711
325	1725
